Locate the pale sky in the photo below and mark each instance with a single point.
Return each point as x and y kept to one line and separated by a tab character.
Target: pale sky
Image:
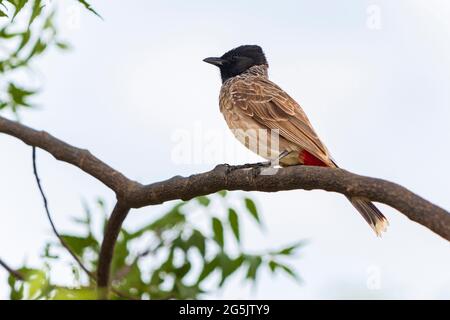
378	97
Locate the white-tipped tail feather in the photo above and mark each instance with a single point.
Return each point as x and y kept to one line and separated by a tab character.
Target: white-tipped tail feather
371	214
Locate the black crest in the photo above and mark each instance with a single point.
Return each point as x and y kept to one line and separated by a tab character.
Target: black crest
238	60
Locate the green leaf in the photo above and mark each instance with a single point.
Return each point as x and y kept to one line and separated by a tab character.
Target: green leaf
183	270
218	231
208	268
179	242
16	288
156	279
37	49
223	193
89	7
25	38
36	11
17	294
203	200
234	223
37	282
47	253
11	281
289	250
19	95
121	253
198	240
18	5
273	265
290	272
229	266
251	207
62	293
130	276
48	23
2	13
168	221
63	45
182	291
254	262
167	266
79	244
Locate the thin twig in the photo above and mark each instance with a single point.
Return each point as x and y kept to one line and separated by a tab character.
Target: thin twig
60	238
16	274
52	224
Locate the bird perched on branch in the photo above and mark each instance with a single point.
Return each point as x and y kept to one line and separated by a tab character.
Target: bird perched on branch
255	108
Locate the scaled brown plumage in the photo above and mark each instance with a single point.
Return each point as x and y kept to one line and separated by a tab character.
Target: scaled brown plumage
253	107
252	101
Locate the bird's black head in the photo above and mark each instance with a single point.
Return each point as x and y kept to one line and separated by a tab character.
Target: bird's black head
238	60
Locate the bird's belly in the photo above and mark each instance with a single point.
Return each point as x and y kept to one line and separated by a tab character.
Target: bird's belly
262	141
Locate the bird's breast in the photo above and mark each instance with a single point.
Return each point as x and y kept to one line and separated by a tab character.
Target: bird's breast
249	132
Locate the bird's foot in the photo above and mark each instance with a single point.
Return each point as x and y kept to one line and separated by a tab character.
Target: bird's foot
256	166
251	165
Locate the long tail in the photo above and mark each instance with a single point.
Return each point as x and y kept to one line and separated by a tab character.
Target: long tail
367	209
371	214
376	220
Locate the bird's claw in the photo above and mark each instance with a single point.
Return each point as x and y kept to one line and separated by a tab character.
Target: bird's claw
257	165
257	169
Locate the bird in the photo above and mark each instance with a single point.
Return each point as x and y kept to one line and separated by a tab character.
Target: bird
252	105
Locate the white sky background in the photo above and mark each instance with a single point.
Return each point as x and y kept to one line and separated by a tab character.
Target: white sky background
378	98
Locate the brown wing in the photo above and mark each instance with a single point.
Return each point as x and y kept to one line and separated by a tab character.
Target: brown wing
273	108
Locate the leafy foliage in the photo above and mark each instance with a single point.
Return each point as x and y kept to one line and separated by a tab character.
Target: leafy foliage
89	7
27	31
181	260
251	207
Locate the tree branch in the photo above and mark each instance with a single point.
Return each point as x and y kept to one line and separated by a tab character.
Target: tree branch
16	274
132	194
62	151
113	227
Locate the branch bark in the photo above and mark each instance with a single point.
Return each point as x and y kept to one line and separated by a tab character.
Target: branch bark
131	194
113	227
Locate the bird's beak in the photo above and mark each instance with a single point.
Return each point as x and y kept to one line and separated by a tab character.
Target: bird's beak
215	61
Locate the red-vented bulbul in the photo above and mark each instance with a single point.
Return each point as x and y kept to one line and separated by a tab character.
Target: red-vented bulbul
252	104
